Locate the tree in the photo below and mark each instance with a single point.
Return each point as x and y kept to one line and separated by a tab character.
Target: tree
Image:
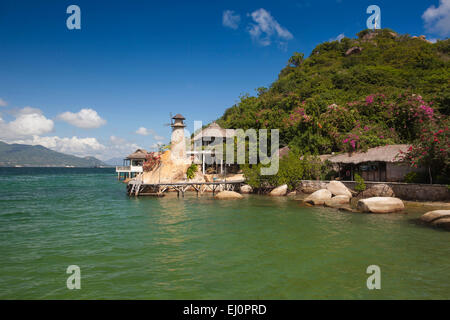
431	150
297	59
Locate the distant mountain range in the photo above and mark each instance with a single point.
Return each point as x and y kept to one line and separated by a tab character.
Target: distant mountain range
38	156
114	162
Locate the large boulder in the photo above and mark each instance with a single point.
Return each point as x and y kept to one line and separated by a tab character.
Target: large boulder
337	201
311	186
337	188
437	218
353	50
378	190
246	189
279	191
169	170
380	205
319	197
442	223
228	195
434	215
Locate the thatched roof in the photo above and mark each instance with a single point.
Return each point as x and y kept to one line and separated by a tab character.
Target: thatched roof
214	130
383	154
139	154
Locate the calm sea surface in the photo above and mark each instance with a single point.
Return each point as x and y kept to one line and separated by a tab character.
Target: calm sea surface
201	248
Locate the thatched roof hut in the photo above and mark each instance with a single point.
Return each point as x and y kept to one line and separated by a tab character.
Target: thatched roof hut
214	130
139	154
387	153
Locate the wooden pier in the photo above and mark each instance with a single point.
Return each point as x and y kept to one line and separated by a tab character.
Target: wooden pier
138	188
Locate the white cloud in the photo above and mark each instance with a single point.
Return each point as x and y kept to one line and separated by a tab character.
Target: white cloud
116	140
437	20
3	103
156	145
118	148
85	118
144	131
28	122
266	27
29	126
230	20
82	147
338	38
74	145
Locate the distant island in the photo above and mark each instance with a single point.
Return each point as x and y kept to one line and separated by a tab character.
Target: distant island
12	155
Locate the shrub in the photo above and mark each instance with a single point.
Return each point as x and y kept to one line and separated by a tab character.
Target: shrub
360	185
416	177
152	160
410	177
252	175
191	171
431	150
292	168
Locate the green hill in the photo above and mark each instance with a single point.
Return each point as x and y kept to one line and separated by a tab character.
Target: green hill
352	94
39	156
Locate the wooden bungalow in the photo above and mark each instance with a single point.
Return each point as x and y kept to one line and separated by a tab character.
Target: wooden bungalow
376	164
212	135
133	164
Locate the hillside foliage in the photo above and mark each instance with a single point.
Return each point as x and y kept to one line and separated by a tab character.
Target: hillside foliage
333	101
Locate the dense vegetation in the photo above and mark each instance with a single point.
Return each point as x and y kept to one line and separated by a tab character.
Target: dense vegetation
39	156
380	88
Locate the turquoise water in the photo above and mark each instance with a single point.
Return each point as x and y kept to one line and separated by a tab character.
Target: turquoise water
201	248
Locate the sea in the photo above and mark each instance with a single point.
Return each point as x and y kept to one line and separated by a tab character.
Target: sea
55	219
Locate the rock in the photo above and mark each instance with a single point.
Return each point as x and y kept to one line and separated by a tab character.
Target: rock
292	194
378	190
246	189
370	36
442	223
311	186
228	195
169	170
437	218
380	205
337	201
353	50
422	37
319	197
338	188
347	208
434	215
279	191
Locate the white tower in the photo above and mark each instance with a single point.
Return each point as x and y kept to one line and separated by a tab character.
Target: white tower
177	141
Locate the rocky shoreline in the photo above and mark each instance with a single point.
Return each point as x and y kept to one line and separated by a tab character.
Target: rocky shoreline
378	199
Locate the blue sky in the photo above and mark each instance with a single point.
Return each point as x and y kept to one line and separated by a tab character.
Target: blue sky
88	91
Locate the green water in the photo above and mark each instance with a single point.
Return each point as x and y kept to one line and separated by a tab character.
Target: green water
201	248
